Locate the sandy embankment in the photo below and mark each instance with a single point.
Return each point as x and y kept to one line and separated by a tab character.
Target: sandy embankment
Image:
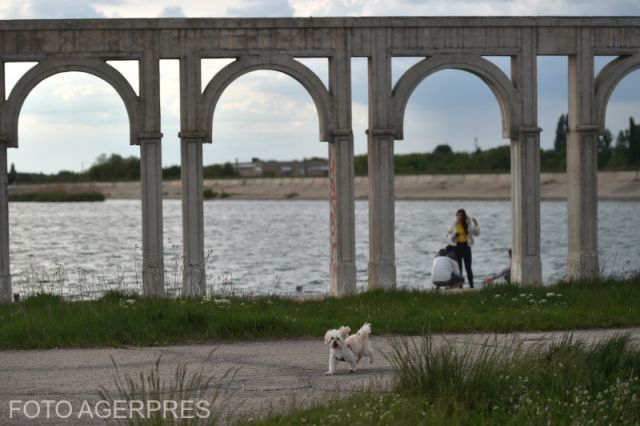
611	185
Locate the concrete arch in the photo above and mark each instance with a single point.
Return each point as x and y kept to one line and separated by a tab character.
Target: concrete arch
606	82
493	76
284	64
48	68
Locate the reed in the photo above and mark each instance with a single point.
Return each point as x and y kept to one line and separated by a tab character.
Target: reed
205	396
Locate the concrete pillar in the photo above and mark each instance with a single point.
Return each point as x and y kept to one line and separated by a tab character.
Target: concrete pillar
526	266
582	163
152	239
380	139
191	140
341	174
382	253
342	214
5	273
151	177
5	265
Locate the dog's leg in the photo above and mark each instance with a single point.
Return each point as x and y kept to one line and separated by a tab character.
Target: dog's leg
351	359
332	365
368	351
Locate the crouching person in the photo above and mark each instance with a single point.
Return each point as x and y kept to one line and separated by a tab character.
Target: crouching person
445	271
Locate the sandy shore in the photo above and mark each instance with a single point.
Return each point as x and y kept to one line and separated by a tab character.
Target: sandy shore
611	185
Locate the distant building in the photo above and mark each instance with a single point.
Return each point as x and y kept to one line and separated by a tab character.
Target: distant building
252	169
307	167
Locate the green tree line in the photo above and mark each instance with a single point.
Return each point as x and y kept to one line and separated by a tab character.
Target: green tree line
115	168
623	153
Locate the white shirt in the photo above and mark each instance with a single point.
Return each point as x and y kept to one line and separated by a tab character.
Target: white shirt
442	268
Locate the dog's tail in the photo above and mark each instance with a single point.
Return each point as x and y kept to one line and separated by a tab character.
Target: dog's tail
365	331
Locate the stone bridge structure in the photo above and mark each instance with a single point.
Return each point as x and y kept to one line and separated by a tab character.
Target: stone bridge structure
274	44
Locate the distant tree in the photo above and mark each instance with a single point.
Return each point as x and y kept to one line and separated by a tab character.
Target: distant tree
626	152
634	144
562	129
361	165
219	171
229	170
442	150
12	175
171	172
605	148
622	140
115	168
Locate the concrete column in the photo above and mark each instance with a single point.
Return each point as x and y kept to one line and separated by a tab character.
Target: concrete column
341	173
526	267
193	277
5	273
380	139
152	239
5	265
151	176
582	163
342	214
191	140
382	252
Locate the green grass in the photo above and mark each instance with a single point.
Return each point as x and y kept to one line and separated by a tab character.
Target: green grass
46	321
57	196
565	383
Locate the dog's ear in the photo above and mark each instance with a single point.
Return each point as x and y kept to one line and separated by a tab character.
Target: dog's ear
344	331
327	337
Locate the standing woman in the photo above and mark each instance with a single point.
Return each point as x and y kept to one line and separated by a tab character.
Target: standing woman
461	235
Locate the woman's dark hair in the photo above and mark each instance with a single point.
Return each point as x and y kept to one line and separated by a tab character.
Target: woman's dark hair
465	225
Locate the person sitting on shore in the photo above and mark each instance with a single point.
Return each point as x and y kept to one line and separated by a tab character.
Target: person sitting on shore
445	271
503	277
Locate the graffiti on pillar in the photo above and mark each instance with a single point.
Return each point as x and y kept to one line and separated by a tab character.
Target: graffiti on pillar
332	217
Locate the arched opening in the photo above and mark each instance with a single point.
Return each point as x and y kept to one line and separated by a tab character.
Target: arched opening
619	168
266	228
69	123
453	126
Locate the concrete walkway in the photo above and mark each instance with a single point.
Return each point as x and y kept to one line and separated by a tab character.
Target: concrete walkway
271	375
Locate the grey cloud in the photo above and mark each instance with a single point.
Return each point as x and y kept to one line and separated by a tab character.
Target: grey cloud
172	12
258	8
598	7
60	9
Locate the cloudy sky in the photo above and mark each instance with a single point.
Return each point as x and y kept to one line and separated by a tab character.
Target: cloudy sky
70	119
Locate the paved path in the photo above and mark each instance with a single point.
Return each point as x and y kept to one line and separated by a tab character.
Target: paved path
272	375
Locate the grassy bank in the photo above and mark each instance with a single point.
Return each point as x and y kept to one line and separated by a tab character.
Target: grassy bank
56	196
47	321
565	383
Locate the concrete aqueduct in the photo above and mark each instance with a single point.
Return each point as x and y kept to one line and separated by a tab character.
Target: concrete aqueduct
273	44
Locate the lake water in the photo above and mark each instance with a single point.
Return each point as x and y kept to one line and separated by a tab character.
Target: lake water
273	246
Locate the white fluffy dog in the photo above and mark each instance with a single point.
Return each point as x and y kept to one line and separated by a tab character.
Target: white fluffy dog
348	348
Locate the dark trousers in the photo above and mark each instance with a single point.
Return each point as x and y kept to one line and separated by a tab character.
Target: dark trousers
456	280
463	252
